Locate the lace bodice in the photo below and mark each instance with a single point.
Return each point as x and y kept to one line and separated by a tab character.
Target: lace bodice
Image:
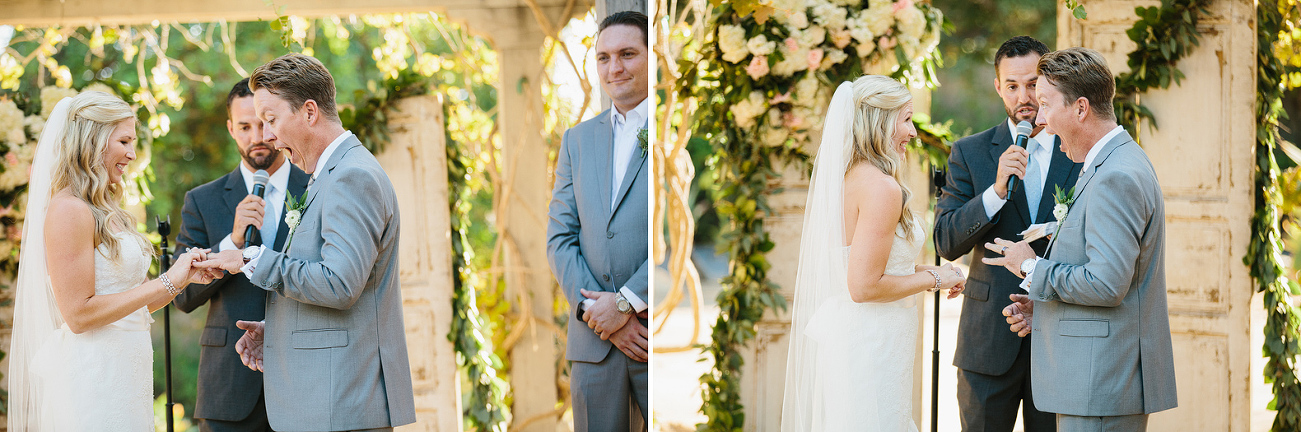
126	272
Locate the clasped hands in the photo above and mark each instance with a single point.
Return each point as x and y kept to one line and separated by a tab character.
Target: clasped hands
1020	313
619	328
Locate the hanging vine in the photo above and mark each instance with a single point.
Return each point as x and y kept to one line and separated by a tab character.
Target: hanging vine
1276	34
1164	35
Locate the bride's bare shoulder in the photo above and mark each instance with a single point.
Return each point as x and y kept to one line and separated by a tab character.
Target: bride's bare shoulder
68	212
865	180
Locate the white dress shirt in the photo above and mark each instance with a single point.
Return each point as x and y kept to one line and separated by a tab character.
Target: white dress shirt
274	196
320	165
1088	163
1041	150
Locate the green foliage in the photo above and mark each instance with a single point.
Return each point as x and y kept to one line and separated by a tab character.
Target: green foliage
1164	35
1283	322
369	120
1077	9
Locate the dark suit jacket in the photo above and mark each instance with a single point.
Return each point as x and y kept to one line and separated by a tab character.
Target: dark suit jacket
226	389
961	226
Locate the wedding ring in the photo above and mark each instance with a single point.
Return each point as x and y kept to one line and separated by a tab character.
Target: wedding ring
1004	250
597	332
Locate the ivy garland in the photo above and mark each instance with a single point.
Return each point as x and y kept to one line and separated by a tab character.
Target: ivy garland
483	406
1164	35
1283	322
757	120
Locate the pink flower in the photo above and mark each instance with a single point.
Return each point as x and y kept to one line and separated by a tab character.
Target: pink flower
792	44
758	67
886	42
841	38
815	58
11	158
901	4
783	97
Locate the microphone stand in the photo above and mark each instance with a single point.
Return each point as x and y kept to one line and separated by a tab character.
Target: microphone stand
165	263
938	178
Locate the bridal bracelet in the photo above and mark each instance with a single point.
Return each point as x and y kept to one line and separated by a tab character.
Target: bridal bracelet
938	281
171	289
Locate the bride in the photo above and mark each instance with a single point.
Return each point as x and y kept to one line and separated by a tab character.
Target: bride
853	329
81	357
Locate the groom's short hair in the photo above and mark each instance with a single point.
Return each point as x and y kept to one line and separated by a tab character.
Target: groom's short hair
1081	72
630	18
1017	47
297	78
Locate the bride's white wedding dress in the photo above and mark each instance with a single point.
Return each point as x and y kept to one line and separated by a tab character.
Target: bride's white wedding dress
865	354
850	365
102	379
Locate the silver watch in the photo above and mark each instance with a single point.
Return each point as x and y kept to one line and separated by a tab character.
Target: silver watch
1027	266
622	303
251	253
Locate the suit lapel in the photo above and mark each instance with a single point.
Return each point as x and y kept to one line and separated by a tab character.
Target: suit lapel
297	183
1086	177
603	154
1003	140
1061	172
634	168
235	191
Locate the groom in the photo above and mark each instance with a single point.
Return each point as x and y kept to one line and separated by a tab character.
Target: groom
334	356
597	237
1096	307
993	365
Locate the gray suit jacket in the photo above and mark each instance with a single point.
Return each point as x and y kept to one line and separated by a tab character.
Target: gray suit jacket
1101	328
961	226
225	384
590	246
335	352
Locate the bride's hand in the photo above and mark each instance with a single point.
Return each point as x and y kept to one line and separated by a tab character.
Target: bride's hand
951	277
183	271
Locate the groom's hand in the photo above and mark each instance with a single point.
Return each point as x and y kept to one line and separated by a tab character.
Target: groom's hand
1019	314
249	212
249	346
1013	255
604	316
631	339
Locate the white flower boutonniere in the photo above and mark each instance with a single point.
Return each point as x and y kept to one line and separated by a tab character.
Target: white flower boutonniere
1064	199
643	139
293	214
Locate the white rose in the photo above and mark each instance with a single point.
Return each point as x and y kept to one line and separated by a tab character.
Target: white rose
746	110
760	46
1059	211
811	37
292	218
912	21
878	18
830	16
35	124
731	40
833	57
773	137
11	122
792	61
798	20
16	136
806	91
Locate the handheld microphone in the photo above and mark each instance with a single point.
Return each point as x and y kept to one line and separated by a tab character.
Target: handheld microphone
1023	130
253	237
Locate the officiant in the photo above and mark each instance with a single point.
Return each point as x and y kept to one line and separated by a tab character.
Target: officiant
977	206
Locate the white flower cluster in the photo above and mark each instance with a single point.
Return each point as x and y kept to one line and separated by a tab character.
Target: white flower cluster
807	36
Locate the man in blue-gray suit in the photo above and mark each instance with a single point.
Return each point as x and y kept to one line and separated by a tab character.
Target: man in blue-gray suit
597	236
1096	304
215	216
994	365
333	346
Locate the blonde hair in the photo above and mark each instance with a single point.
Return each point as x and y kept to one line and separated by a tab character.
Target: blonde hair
878	102
79	165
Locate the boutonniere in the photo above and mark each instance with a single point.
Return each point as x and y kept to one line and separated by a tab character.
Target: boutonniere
643	137
1064	199
293	214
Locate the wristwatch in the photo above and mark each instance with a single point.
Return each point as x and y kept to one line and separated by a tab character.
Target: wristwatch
251	253
1027	266
622	304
